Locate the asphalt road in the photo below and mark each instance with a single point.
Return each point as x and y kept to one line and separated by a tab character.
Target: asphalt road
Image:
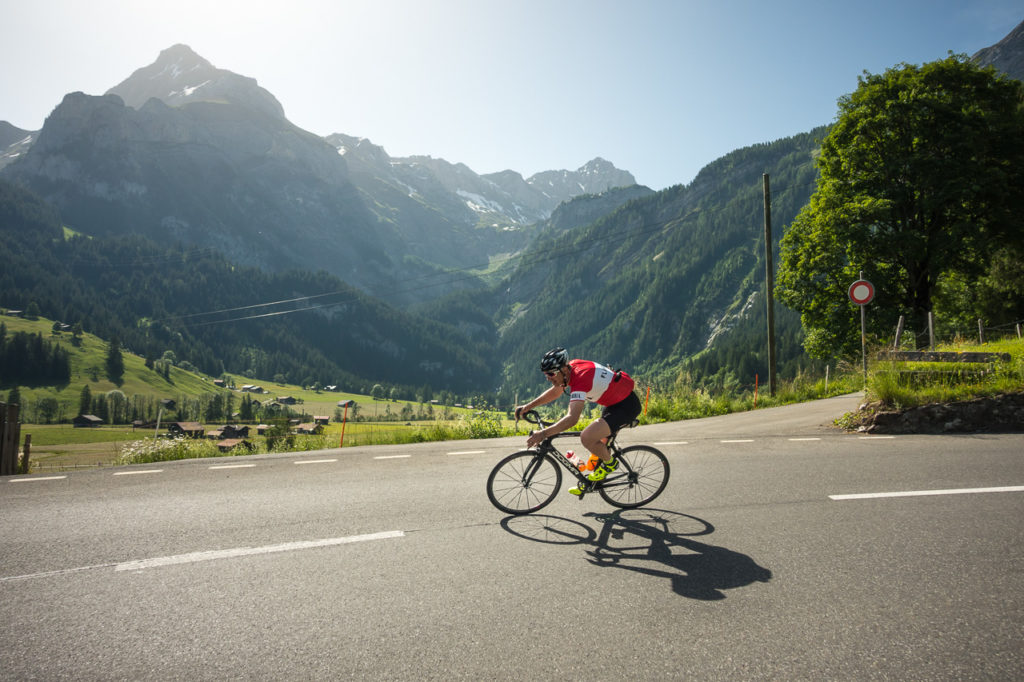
390	563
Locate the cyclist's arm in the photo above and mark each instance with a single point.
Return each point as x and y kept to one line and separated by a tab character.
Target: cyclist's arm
566	422
548	396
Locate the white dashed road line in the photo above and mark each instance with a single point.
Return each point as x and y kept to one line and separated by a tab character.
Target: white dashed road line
232	466
37	478
393	457
316	461
195	557
468	452
916	493
138	473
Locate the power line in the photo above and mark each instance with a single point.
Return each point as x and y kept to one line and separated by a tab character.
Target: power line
456	275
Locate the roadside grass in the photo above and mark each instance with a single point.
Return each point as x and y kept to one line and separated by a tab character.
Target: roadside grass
895	384
902	385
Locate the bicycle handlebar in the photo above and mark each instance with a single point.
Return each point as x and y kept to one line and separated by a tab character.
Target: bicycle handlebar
534	418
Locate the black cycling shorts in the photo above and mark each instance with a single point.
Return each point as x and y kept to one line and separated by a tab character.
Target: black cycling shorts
623	412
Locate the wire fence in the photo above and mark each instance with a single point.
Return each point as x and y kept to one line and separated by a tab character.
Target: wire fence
933	335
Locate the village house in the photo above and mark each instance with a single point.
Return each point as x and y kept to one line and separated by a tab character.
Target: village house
86	421
186	429
229	444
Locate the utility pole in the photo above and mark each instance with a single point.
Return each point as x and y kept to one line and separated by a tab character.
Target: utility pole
769	272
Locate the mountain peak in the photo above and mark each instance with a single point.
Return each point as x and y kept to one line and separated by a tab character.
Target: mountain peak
180	76
180	58
1007	55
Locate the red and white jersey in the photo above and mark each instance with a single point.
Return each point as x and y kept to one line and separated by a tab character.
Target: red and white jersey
596	383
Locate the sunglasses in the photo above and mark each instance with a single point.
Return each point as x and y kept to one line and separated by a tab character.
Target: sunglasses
551	374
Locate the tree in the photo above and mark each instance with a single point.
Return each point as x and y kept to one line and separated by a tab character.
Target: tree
47	409
85	400
920	180
115	361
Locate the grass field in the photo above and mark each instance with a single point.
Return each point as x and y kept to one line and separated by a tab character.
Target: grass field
60	446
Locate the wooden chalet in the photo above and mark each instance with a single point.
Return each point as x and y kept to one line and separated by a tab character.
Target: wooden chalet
186	429
229	444
86	421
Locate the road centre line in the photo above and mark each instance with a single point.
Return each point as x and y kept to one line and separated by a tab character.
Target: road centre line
916	493
233	466
315	461
674	442
876	437
136	473
802	439
740	440
195	557
392	456
468	452
37	478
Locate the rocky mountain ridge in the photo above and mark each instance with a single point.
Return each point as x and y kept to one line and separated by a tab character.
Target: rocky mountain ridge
184	151
1007	55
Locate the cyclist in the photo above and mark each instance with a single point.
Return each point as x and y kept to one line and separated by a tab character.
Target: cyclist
584	380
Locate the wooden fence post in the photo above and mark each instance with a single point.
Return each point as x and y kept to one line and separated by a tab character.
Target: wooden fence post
25	451
981	332
899	333
10	430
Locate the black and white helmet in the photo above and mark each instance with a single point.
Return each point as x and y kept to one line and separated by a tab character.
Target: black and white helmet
554	359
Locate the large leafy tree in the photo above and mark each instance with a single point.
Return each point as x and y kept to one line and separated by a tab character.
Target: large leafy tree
921	180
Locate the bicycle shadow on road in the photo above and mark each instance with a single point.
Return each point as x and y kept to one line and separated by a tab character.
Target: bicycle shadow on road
652	542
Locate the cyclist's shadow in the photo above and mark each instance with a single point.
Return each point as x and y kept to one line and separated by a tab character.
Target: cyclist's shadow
651	542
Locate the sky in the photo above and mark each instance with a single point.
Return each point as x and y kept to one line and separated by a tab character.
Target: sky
660	88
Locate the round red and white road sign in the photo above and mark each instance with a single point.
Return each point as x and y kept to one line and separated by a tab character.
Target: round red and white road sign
861	292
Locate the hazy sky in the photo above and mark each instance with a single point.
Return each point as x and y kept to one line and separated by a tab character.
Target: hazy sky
658	87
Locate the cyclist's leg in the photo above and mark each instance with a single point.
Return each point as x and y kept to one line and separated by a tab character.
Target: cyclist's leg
592	438
613	418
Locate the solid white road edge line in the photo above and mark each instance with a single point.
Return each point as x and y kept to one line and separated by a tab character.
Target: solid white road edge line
915	493
213	555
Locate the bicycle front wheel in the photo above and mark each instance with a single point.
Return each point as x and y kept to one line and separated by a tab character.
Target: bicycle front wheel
524	482
640	477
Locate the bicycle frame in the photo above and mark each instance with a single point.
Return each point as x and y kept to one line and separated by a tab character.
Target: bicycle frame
547	447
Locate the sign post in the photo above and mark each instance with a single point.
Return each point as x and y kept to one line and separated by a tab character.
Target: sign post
861	292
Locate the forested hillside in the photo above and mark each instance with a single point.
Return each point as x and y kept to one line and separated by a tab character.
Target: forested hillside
310	327
655	282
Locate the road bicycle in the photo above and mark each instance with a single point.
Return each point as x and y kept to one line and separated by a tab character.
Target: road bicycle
528	480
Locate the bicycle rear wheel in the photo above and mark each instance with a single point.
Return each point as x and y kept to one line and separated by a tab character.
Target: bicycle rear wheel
524	482
640	477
